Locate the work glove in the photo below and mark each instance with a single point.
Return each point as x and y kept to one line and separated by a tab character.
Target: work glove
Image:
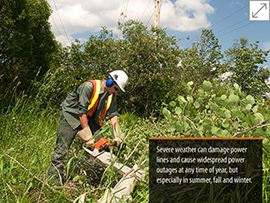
90	143
85	134
118	141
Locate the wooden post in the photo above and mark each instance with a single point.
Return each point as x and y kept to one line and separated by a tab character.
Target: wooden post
157	13
156	16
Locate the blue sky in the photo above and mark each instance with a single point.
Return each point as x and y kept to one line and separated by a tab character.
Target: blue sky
229	20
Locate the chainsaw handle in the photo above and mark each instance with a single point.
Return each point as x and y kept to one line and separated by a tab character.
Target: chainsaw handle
123	146
114	143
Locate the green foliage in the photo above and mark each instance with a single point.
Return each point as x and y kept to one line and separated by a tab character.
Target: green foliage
156	67
58	82
27	44
243	62
27	139
151	65
28	134
207	113
203	60
150	62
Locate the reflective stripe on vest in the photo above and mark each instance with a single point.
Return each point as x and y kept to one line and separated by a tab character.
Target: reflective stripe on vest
95	94
95	99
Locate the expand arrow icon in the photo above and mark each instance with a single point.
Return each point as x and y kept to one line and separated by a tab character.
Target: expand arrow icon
254	15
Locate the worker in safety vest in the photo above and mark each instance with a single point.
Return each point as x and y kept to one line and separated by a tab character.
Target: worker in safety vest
82	115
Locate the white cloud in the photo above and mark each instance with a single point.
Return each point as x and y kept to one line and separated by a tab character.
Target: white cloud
64	40
185	15
78	16
266	45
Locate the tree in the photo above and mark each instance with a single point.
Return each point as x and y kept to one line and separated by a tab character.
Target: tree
151	63
26	42
202	61
243	63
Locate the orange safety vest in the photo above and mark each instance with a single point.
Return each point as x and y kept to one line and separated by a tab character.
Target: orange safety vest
95	99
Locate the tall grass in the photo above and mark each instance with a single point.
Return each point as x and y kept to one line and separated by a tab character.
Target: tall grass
27	139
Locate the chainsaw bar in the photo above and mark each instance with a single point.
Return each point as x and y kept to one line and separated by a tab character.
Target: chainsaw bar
106	158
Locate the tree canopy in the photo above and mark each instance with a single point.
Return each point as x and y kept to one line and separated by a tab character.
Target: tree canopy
155	64
27	44
203	60
243	62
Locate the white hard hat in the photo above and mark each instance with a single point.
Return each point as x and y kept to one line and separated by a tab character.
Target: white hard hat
120	78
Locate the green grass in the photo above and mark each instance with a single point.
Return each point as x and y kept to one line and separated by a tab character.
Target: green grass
27	139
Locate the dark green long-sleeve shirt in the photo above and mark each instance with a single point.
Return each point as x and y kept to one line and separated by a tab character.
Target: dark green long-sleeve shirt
72	106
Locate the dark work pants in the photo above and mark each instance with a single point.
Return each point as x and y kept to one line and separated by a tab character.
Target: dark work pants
65	137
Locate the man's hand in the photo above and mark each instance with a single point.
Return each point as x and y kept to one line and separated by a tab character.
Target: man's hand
116	131
118	141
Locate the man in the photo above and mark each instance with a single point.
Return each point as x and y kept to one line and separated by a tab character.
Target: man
83	112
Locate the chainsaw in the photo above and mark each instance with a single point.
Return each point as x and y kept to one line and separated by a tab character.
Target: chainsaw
104	145
102	151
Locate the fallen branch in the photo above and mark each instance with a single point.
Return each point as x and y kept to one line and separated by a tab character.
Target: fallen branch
253	111
122	189
193	125
252	128
124	177
24	168
29	171
126	159
81	198
134	170
146	148
10	190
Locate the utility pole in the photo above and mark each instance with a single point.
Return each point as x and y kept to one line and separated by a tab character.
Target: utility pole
156	16
157	13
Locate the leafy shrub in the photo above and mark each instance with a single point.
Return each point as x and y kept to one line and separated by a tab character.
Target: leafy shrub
203	113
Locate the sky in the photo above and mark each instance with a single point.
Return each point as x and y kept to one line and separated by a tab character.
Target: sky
229	20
